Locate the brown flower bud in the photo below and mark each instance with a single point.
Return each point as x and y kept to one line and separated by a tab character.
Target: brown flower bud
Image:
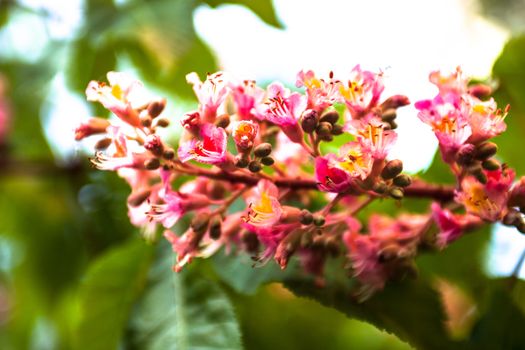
486	150
402	180
324	129
103	144
268	161
162	122
255	166
200	222
152	164
396	193
490	164
337	129
263	150
306	217
156	107
137	198
330	117
222	121
215	227
392	169
309	121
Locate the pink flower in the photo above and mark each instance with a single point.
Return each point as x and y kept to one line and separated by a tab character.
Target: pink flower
247	95
244	133
321	93
390	241
211	93
455	82
264	209
451	226
371	134
284	109
449	122
489	201
289	153
362	91
210	149
485	119
355	160
330	178
175	205
93	126
122	97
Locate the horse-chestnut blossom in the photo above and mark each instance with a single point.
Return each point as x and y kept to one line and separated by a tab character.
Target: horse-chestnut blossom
263	149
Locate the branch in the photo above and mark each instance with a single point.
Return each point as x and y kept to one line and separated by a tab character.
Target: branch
418	189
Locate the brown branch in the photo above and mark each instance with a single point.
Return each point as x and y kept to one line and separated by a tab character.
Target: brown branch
418	189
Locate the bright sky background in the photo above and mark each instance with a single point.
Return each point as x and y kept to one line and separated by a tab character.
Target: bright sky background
405	38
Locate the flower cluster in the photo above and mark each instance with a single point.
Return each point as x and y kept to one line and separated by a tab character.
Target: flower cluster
263	149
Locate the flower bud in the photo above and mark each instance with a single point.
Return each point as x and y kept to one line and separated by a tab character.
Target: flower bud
254	166
323	129
389	115
215	227
480	91
319	220
222	121
162	122
478	173
309	121
290	214
330	117
486	150
268	161
103	144
168	154
465	155
380	187
154	144
200	222
392	169
244	133
337	129
521	226
262	150
326	138
396	193
490	164
512	218
306	217
145	119
137	198
156	107
152	164
402	180
392	125
241	162
250	242
395	102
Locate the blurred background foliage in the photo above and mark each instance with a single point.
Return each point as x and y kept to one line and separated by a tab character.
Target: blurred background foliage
74	274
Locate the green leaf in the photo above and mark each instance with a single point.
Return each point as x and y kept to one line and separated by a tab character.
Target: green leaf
462	262
111	285
238	272
183	311
509	70
411	310
262	8
501	326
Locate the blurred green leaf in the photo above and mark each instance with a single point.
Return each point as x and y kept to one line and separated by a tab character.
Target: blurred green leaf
411	310
183	311
462	262
509	70
239	273
501	327
262	8
110	287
